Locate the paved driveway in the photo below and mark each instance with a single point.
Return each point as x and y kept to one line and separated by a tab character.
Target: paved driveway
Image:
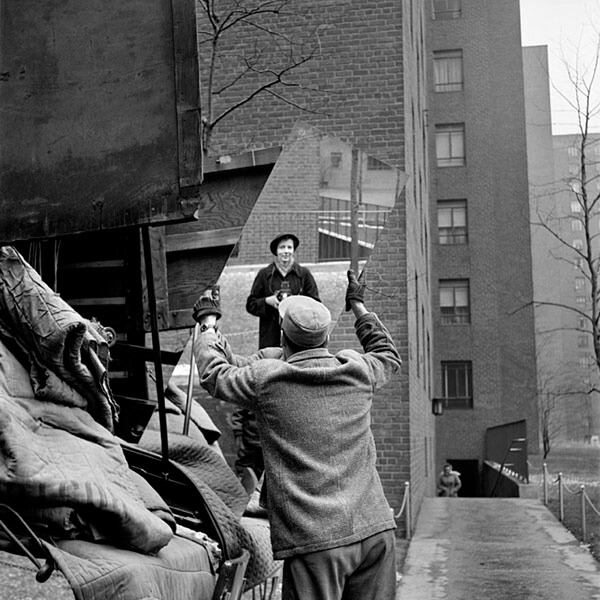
495	549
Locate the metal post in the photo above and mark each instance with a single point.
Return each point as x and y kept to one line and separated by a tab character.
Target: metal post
190	386
160	388
545	483
561	501
583	523
408	516
354	204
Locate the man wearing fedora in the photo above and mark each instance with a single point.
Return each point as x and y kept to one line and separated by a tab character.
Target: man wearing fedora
330	521
283	277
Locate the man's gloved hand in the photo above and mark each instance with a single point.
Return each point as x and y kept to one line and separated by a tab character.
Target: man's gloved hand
356	288
209	303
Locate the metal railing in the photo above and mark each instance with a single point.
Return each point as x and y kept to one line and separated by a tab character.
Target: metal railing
514	468
406	510
335	227
584	500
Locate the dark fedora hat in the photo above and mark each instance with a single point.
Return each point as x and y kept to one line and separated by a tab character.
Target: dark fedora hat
284	236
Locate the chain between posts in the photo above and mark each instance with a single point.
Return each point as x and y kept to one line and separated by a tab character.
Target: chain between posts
405	509
585	500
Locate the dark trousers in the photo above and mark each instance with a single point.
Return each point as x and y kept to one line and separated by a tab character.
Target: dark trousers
365	570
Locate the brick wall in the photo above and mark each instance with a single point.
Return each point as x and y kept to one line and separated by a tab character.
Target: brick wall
370	79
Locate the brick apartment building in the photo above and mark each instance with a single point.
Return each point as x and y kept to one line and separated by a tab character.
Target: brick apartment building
484	355
371	69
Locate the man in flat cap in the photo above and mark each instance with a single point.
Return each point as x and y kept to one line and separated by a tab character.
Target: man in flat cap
330	521
283	277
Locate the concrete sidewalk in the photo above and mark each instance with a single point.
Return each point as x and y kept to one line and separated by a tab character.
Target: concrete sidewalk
497	549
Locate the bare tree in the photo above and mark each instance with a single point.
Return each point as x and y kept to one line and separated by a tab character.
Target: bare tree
251	48
584	192
558	393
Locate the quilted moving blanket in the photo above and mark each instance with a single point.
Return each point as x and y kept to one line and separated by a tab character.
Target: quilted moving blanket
59	466
67	356
180	571
59	462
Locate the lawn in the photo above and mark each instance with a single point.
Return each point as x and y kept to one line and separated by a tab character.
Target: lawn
579	465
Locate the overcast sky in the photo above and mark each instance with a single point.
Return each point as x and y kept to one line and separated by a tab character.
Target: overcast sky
563	26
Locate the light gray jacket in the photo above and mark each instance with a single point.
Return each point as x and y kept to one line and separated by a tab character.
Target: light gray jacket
314	416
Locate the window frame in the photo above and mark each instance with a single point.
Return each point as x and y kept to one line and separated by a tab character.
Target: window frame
456	316
457	154
454	235
444	9
445	58
457	402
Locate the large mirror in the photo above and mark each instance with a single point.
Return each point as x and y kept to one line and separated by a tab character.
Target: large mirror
335	199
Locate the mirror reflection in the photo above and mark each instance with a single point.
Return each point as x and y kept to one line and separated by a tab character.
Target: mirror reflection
321	211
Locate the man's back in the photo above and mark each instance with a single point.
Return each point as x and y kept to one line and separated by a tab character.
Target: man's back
314	414
313	411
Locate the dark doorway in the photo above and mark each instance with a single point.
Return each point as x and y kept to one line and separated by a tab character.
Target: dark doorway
469	476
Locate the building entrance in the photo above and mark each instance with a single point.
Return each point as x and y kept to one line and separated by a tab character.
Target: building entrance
469	477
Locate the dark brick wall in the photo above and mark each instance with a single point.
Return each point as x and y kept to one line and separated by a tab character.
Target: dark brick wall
356	75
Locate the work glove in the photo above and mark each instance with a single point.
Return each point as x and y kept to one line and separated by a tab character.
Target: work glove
209	303
356	288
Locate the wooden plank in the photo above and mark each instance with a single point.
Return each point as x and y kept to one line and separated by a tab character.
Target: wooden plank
117	301
96	264
182	318
159	272
251	158
187	92
121	350
196	240
100	127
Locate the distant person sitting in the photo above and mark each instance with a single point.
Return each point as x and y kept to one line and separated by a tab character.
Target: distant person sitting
448	482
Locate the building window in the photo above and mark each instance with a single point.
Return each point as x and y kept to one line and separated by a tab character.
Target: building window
457	384
336	159
579	283
454	301
580	299
448	71
575	206
446	9
450	145
583	341
576	225
572	151
578	244
452	222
